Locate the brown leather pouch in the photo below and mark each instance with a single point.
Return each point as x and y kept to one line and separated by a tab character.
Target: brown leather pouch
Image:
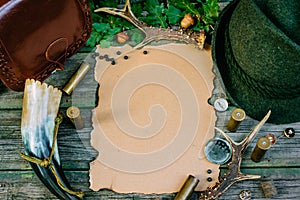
36	37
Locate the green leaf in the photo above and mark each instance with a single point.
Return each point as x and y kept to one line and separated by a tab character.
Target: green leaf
91	42
174	14
137	9
110	3
186	5
161	18
197	27
151	4
101	27
114	31
136	35
156	14
211	8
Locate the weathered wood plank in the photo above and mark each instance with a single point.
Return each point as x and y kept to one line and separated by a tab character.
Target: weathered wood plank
284	153
76	152
74	145
26	185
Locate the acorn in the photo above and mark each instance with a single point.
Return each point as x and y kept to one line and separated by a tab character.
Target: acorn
122	37
187	21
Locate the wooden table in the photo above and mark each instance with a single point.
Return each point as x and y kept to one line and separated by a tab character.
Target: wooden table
18	181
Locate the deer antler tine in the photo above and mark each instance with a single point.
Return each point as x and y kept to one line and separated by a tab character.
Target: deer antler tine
254	132
128	12
125	13
225	136
249	177
127	5
127	8
108	10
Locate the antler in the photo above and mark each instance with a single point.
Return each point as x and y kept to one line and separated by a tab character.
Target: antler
154	33
234	173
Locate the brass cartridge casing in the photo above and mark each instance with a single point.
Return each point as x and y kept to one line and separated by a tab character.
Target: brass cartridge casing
262	145
237	116
73	114
187	189
76	78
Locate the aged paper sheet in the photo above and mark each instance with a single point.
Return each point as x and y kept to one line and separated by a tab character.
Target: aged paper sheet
152	120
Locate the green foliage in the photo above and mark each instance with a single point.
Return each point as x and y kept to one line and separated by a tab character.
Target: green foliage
205	11
105	27
158	13
210	11
186	6
136	36
174	14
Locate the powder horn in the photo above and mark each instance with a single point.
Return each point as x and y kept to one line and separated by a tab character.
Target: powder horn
39	128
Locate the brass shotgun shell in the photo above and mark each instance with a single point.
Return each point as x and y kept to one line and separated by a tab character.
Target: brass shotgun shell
73	114
187	189
262	145
237	116
76	78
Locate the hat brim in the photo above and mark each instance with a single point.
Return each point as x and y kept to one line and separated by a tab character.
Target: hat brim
246	96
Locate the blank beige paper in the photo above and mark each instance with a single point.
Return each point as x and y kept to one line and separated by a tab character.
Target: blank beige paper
152	120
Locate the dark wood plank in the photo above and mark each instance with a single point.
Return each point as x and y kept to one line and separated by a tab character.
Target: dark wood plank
76	152
74	145
26	185
284	153
281	161
286	181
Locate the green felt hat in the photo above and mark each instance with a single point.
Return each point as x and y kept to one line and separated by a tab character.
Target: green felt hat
256	50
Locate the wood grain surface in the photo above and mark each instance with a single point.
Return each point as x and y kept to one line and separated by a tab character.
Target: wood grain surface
18	181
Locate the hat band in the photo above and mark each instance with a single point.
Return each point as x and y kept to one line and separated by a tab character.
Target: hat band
260	88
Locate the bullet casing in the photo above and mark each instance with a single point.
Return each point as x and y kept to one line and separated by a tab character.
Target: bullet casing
76	78
262	145
187	189
237	116
73	114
